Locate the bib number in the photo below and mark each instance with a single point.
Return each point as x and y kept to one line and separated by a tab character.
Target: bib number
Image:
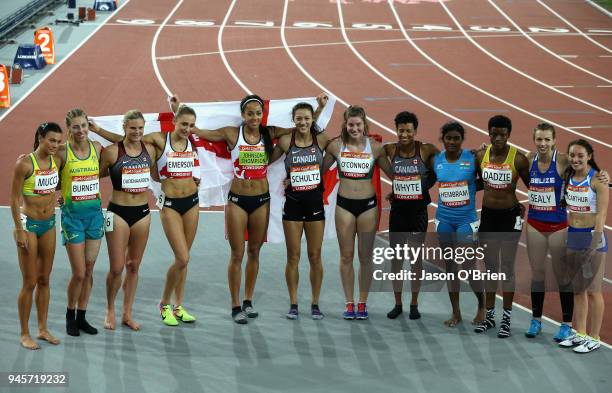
109	219
161	198
518	225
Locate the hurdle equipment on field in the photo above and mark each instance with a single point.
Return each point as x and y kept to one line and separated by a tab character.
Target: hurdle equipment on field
43	37
29	56
105	5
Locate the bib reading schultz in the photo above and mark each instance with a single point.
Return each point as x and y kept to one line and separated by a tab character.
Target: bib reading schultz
578	198
355	165
407	187
85	188
46	181
454	194
497	176
135	179
305	177
542	198
180	164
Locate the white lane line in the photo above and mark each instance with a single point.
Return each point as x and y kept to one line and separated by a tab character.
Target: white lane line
598	126
62	61
563	58
153	49
222	53
488	94
310	77
599	8
514	69
323	88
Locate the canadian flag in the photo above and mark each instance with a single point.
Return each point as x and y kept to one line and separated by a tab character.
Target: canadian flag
215	167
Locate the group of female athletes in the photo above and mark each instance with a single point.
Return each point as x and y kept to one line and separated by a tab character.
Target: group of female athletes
558	183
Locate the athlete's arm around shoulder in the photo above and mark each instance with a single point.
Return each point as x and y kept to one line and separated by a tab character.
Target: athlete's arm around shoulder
380	156
281	148
521	163
323	140
331	152
228	135
108	157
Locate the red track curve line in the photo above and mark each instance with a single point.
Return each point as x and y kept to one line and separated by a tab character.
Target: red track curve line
449	72
516	70
567	22
154	45
550	52
62	61
220	45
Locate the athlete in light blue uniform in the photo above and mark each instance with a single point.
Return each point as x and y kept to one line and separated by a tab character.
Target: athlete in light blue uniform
456	220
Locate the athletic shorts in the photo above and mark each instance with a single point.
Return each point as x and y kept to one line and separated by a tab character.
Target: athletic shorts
303	210
356	206
130	214
547	227
460	231
40	227
249	203
579	239
77	228
501	220
404	217
182	205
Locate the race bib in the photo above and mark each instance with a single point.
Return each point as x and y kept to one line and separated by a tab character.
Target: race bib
85	187
180	164
578	199
454	194
305	177
407	187
252	157
161	199
45	181
497	176
542	198
135	179
109	219
355	165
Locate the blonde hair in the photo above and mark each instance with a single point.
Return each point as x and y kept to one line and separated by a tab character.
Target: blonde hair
133	114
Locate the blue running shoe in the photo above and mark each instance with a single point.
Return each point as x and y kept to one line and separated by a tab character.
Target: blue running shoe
316	313
565	332
349	313
534	329
362	311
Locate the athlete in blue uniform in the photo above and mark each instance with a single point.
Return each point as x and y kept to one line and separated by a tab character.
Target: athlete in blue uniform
456	220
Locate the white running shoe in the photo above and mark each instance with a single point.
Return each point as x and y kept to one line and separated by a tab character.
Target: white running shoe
572	341
589	345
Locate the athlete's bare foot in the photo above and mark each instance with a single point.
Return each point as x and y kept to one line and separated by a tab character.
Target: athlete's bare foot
48	337
131	324
109	320
453	320
480	316
27	342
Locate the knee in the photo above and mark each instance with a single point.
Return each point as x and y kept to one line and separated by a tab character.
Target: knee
236	256
314	256
181	261
115	271
29	283
132	266
78	276
347	259
253	252
42	281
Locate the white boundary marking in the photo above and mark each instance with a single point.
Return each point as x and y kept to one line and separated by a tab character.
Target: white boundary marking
62	61
516	70
600	8
563	58
153	49
567	22
222	53
488	94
